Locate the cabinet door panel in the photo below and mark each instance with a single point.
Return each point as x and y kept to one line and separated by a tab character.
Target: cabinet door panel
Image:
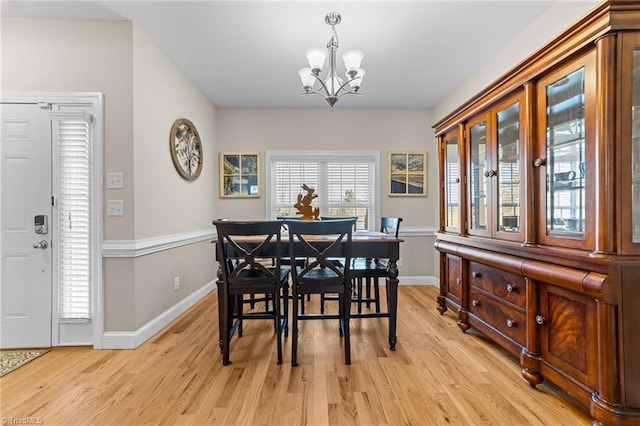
567	115
452	183
630	146
508	171
569	335
454	278
479	179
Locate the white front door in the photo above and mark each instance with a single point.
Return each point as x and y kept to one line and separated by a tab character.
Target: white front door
25	251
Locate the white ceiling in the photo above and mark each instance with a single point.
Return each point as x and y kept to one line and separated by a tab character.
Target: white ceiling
247	54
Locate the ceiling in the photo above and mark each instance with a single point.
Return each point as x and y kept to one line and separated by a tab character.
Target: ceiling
246	54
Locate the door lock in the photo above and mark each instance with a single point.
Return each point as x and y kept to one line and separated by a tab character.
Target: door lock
41	224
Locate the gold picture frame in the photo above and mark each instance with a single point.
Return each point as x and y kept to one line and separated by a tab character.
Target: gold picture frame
239	174
408	173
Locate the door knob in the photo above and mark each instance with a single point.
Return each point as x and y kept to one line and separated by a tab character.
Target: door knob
41	244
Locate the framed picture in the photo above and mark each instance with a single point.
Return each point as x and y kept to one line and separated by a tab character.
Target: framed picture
408	173
239	174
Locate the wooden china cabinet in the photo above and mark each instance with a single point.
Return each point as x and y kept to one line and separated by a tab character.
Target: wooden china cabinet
539	234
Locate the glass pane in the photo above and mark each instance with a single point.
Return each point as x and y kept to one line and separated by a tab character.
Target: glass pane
509	169
452	179
479	183
635	149
566	156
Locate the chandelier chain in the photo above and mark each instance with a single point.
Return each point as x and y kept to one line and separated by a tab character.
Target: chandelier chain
333	42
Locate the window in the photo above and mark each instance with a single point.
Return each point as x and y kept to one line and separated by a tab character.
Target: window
73	202
346	183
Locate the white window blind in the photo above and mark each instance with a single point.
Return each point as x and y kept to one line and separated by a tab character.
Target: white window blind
74	219
346	183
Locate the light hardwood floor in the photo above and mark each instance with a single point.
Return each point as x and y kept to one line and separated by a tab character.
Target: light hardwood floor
437	375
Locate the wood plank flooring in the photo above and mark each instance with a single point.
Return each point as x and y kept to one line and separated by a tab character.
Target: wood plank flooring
438	375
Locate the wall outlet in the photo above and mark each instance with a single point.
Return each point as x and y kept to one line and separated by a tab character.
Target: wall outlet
115	208
176	283
399	262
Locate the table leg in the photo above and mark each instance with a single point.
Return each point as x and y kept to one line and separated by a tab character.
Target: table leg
392	301
220	313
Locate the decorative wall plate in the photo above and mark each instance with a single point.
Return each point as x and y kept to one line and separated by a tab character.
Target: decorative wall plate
186	149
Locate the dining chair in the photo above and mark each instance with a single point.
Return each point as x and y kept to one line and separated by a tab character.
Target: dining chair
249	260
370	271
318	242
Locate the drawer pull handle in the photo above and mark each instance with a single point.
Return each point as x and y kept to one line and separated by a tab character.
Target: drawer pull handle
511	323
458	281
540	319
475	274
510	287
474	302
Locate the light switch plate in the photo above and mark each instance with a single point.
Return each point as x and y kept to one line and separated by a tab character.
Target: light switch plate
115	208
115	180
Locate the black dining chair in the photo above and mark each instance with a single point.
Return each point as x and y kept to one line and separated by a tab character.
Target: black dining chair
318	242
249	256
367	272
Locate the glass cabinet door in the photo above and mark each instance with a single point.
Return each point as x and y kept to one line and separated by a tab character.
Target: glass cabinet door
566	119
452	183
635	149
508	169
566	156
479	179
630	146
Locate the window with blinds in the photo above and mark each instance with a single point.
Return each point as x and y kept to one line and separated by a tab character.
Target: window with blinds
74	219
345	182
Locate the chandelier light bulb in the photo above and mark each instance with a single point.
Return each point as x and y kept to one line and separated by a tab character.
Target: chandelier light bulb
316	59
357	80
307	78
352	59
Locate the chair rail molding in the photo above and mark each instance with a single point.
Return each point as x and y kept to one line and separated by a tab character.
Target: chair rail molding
146	246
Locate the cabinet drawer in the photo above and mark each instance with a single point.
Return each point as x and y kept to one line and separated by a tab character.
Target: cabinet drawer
502	318
505	285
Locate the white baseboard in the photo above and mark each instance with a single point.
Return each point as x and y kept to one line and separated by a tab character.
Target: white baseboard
434	281
133	339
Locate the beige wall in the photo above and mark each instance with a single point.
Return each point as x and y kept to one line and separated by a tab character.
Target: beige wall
42	55
144	93
342	129
165	203
556	19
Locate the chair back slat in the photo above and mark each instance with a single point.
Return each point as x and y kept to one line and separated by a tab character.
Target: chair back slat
319	242
254	262
390	225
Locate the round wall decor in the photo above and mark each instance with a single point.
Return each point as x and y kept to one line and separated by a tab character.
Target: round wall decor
186	149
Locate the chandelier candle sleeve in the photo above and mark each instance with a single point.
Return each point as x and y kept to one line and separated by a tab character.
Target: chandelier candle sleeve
332	87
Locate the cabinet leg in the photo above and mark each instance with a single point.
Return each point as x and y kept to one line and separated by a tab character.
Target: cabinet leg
533	377
463	322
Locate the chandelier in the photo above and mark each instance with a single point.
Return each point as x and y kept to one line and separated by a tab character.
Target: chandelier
332	87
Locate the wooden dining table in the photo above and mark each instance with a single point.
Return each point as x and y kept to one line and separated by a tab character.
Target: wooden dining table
367	244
